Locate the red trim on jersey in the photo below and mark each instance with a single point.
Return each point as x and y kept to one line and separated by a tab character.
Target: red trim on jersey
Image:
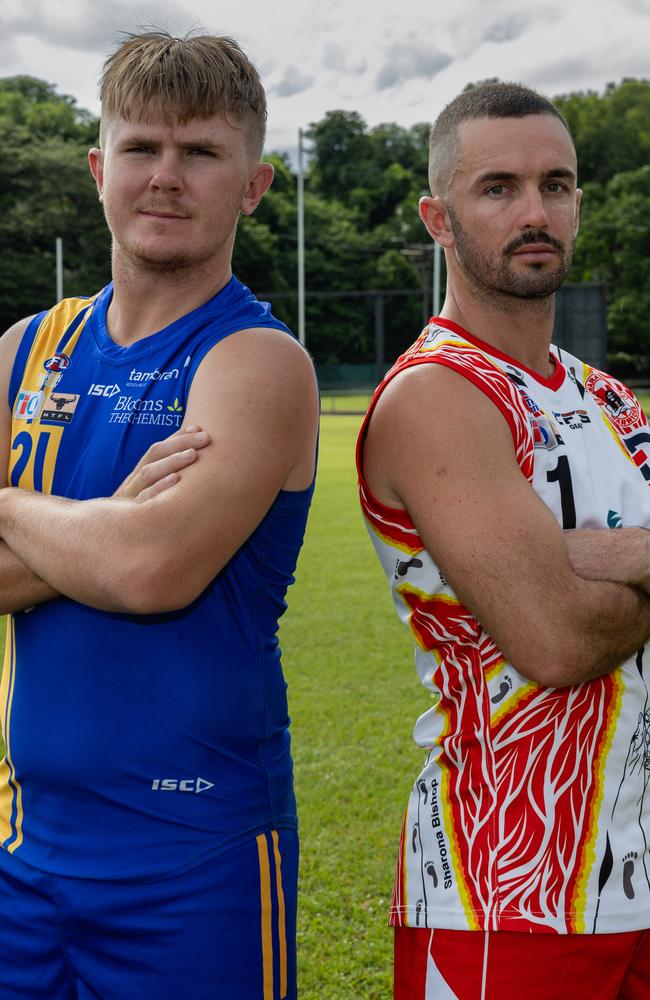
553	382
369	502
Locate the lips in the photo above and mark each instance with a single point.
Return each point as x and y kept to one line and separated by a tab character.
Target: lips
535	248
157	213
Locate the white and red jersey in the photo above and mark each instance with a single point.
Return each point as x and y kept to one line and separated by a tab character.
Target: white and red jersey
532	811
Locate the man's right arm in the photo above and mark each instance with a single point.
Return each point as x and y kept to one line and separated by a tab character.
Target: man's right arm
438	446
19	587
158	470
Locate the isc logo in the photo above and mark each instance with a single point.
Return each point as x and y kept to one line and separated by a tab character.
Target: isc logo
195	785
103	390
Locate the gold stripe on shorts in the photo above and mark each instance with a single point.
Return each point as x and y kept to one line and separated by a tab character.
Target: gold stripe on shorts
265	899
282	930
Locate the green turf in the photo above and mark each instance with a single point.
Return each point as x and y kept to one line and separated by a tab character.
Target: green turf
334	402
353	698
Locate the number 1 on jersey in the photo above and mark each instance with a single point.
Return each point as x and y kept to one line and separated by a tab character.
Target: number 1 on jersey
561	474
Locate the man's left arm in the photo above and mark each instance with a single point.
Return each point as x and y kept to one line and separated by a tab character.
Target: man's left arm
618	555
255	396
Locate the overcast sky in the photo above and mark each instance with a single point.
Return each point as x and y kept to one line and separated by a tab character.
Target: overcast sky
390	60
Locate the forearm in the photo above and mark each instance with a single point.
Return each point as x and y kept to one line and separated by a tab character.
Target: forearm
554	626
20	587
620	556
613	622
88	550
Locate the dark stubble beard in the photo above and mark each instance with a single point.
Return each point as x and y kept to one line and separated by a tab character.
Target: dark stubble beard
491	275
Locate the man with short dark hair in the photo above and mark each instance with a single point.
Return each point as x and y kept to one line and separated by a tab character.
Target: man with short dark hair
148	833
523	868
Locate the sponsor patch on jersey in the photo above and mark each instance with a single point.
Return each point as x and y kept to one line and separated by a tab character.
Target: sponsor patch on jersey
616	400
545	434
57	363
133	410
531	405
137	377
193	785
638	446
575	419
97	389
614	519
516	376
59	408
28	405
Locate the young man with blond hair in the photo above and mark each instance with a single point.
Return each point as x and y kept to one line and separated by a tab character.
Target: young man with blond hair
523	868
147	818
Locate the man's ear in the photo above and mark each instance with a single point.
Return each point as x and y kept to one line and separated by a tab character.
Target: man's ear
96	164
258	184
435	217
576	217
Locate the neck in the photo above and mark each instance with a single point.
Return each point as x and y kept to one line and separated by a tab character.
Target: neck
146	300
520	328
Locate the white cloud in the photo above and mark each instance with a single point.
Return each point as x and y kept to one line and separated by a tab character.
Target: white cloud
390	62
408	60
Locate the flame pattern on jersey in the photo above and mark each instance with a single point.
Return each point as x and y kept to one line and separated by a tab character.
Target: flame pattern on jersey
530	813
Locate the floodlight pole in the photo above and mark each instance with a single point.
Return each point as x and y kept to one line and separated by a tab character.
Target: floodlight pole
437	254
301	243
59	268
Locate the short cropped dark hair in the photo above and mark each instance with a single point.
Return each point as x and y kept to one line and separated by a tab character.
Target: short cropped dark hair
197	76
486	100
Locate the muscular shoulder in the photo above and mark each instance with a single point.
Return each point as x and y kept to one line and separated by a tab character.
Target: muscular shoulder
431	420
10	340
9	344
260	383
260	364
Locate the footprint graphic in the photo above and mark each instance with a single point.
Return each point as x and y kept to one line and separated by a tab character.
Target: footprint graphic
628	872
422	786
430	869
418	911
504	687
402	568
414	838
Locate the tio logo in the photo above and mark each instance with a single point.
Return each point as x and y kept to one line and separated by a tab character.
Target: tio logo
195	785
104	390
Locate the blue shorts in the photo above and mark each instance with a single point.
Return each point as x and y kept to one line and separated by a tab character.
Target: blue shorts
225	930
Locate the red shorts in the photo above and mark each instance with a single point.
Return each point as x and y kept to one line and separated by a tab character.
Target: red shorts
506	965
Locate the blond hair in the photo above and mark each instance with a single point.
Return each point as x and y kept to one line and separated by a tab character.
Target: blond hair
154	74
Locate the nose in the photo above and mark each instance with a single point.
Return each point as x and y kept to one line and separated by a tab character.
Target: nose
167	175
533	209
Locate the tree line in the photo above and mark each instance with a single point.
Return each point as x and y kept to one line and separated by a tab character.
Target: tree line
362	231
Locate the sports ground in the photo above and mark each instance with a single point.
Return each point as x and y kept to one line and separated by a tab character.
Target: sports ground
353	698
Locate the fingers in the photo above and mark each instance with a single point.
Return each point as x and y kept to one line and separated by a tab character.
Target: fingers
154	472
163	458
181	440
159	487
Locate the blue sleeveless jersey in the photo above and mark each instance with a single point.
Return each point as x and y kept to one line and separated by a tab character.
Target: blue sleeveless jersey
139	745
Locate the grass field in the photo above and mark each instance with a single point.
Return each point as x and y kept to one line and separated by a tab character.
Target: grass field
353	697
344	402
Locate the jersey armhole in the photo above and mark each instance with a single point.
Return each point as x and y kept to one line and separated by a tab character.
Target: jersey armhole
368	499
23	352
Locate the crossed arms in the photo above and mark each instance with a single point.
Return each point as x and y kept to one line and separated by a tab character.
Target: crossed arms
563	607
152	548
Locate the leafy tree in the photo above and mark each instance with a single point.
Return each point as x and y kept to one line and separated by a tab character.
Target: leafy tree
614	247
46	191
611	131
363	233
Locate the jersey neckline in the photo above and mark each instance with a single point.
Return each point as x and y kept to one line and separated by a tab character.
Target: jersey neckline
553	382
150	344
